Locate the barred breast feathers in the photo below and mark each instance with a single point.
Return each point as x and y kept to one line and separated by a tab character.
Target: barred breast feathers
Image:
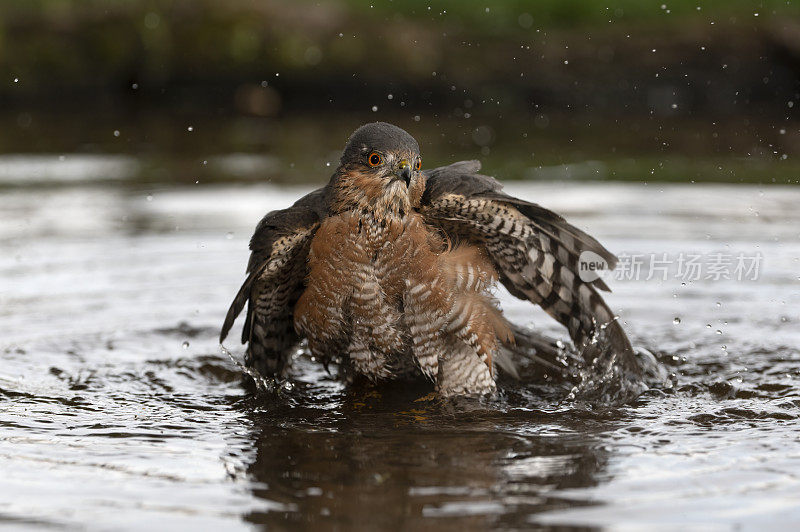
444	294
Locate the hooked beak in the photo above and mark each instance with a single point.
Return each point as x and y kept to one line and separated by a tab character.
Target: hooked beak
404	171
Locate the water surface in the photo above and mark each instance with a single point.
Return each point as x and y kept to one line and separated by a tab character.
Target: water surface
119	411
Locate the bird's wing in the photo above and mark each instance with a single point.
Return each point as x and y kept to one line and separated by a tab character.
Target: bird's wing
276	273
534	250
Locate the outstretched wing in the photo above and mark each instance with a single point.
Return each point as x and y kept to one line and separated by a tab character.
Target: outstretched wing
276	272
534	250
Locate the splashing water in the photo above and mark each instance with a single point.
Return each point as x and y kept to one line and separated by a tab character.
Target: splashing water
97	390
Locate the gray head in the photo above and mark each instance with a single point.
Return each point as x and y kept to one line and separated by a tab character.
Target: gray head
381	137
380	164
380	147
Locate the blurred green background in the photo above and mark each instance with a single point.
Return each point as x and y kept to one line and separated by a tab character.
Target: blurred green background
552	89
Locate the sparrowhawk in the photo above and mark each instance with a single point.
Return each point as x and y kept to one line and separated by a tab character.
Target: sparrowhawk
388	271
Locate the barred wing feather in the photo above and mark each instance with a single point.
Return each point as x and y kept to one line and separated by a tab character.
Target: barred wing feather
276	273
535	251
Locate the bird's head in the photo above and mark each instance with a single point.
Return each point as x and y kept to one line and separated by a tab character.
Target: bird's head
380	170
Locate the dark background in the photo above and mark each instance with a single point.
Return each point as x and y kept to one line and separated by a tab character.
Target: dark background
675	91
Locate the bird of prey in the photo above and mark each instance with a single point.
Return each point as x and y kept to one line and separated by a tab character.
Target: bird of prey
388	271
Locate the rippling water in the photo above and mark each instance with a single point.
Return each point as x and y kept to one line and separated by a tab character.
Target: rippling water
119	410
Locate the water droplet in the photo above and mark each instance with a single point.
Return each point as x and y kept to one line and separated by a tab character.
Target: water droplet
229	236
718	331
374	108
190	129
116	132
676	321
16	80
149	197
416	118
185	345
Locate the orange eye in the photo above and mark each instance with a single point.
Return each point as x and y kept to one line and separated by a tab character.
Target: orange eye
375	159
418	165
